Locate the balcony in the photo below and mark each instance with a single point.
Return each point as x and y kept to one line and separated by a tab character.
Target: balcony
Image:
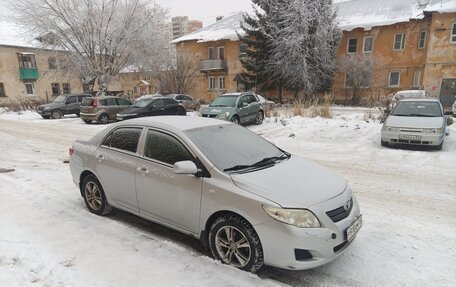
212	65
28	73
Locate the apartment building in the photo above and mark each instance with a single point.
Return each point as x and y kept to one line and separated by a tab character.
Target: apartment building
413	42
181	26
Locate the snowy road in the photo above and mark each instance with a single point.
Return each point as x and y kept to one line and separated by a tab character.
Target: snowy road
48	238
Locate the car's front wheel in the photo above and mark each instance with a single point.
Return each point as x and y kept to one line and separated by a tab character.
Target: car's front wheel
383	143
259	118
233	241
94	196
235	120
56	114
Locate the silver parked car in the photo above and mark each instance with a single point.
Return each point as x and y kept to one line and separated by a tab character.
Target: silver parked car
248	201
416	122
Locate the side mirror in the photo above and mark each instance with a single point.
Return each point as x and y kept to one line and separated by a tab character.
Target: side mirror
185	167
152	107
244	104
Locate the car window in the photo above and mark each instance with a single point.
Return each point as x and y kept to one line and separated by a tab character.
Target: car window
179	97
417	109
242	100
111	102
159	103
103	102
71	100
107	141
126	139
123	102
170	102
80	97
165	148
187	98
252	99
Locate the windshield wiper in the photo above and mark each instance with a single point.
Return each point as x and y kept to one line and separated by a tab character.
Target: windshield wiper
401	115
219	106
264	162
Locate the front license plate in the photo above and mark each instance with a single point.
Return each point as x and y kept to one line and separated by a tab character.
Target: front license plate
409	137
354	228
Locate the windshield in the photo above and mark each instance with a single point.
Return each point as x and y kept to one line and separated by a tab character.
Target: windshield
141	103
417	109
227	101
60	99
231	147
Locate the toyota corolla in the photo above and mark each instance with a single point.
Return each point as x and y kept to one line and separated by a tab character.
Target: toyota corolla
248	201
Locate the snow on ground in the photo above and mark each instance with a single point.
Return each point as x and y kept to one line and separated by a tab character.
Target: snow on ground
48	238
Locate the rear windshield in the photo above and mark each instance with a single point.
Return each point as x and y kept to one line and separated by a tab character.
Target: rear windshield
417	109
141	103
87	102
226	101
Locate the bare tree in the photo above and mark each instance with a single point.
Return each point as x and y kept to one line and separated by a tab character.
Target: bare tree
359	75
181	78
100	35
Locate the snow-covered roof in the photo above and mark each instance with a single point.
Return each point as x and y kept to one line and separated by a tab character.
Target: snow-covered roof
13	35
225	29
366	14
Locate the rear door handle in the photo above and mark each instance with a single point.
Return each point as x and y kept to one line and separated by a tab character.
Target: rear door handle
142	170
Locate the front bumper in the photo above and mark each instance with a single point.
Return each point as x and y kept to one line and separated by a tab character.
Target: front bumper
393	137
280	241
44	112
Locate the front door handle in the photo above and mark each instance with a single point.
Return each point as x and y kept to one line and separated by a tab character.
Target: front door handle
142	170
100	157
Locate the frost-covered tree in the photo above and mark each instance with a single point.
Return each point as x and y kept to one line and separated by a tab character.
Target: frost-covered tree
100	35
182	78
304	38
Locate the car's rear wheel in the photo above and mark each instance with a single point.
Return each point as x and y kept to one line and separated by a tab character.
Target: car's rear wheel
259	118
104	119
233	241
88	121
56	114
94	196
46	117
235	120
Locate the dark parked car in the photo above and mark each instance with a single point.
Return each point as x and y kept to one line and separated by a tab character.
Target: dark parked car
186	101
239	108
102	109
62	105
157	106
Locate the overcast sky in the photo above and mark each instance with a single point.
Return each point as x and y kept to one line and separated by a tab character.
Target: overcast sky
205	10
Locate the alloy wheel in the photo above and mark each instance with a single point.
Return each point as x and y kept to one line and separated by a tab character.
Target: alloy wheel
232	246
93	195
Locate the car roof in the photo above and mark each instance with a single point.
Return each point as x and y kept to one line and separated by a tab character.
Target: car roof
421	100
181	123
108	97
237	94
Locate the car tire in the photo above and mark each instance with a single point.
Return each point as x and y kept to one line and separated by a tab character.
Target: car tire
259	118
233	241
88	121
94	196
383	143
56	114
235	120
103	119
197	108
46	117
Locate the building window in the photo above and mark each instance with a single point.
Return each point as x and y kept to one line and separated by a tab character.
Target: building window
416	78
242	50
399	42
352	45
368	44
453	34
52	63
55	87
63	64
66	88
29	88
2	90
394	79
211	53
422	41
26	60
221	83
211	83
221	53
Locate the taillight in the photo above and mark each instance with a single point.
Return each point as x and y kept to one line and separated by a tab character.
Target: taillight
71	151
95	103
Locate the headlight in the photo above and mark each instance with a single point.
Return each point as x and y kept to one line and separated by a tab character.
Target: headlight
433	131
391	129
298	217
224	115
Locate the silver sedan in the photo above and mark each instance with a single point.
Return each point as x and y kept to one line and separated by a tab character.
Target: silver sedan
248	201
